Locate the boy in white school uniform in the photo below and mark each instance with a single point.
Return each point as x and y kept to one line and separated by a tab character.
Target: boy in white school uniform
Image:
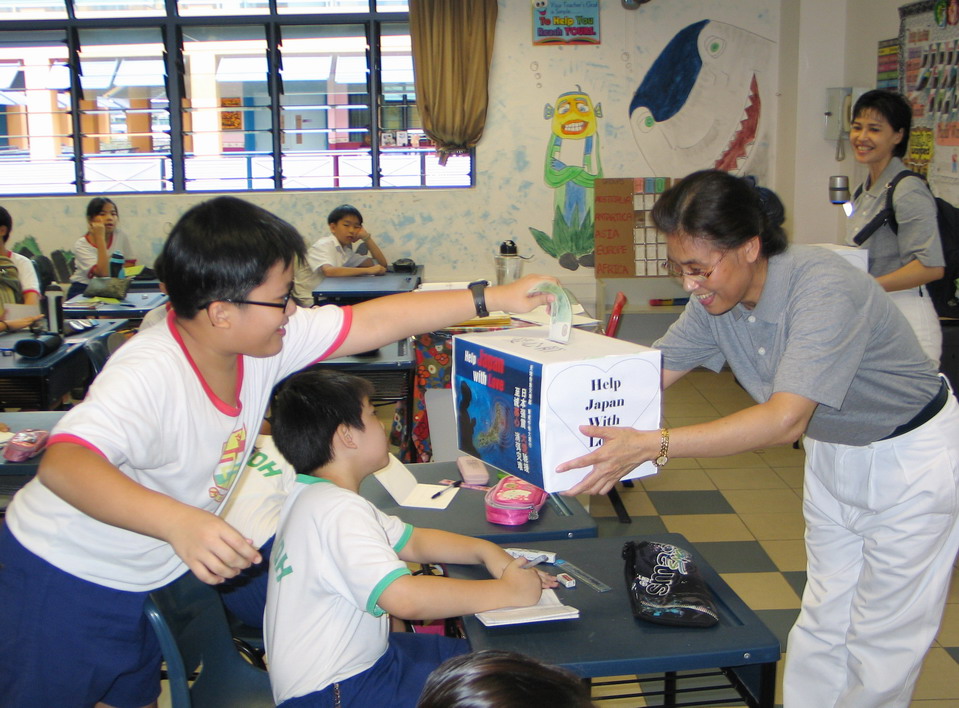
339	563
127	495
348	250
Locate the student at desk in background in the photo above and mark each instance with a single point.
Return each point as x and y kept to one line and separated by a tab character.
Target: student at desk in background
18	280
92	251
333	256
127	495
341	563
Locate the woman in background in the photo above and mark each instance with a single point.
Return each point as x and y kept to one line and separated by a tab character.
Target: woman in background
904	261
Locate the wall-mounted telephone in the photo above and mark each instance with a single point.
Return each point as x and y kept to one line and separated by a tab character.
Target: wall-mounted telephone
839	104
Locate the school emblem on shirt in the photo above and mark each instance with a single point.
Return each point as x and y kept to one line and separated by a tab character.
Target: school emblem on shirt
229	465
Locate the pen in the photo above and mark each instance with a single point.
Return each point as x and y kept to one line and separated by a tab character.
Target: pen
454	485
535	561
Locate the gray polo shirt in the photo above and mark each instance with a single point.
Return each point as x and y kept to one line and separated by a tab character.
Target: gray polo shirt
918	237
822	329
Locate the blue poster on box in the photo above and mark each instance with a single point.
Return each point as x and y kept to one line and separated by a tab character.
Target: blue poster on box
522	400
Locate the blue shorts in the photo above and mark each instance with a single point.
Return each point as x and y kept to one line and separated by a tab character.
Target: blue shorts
244	596
69	642
396	679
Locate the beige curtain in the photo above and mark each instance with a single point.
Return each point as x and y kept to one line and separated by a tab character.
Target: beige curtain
452	49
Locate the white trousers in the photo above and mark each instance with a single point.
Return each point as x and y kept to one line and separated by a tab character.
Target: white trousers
921	314
881	538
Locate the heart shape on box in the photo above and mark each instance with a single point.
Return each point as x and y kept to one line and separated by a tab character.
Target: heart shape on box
572	388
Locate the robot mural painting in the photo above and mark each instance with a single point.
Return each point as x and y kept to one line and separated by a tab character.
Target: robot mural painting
574	126
701	103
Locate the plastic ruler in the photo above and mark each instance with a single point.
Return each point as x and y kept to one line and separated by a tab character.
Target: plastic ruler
595	583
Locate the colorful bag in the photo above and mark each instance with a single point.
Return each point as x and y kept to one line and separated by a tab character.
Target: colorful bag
513	501
665	586
25	444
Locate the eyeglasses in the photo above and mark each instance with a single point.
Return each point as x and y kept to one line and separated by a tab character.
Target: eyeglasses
284	301
699	276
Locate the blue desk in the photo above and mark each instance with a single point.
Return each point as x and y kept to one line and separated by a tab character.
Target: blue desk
466	513
40	384
607	641
134	306
343	291
14	475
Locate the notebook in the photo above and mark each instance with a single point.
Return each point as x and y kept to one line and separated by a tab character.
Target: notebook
548	609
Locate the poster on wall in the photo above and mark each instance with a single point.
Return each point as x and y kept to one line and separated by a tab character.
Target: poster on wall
929	60
565	22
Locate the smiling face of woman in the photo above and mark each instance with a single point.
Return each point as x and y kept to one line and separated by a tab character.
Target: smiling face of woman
873	140
718	279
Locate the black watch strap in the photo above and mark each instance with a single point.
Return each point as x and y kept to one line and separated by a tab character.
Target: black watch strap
478	288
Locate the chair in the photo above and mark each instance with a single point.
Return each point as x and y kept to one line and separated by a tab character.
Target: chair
45	272
61	267
194	634
612	327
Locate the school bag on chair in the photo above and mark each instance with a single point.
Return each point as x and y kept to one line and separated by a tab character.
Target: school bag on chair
942	291
10	289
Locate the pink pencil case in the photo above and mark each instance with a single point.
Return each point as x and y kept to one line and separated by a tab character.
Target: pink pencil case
25	444
513	501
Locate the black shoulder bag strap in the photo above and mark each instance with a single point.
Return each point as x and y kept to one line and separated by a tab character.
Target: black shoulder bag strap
888	214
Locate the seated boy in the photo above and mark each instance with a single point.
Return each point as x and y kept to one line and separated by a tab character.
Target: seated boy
339	564
333	256
128	494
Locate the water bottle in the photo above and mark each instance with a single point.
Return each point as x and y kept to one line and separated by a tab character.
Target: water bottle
116	265
53	301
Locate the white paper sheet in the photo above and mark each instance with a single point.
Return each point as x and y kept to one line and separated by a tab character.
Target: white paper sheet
406	491
548	608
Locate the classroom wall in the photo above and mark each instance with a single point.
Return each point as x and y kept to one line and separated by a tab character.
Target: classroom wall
816	44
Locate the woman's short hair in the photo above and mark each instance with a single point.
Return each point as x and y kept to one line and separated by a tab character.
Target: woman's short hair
724	209
891	106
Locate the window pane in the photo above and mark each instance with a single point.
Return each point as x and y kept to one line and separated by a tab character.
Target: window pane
223	7
119	8
227	122
321	6
124	112
33	9
325	107
393	5
407	156
36	148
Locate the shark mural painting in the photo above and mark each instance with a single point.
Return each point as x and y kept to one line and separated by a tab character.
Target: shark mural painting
701	102
574	125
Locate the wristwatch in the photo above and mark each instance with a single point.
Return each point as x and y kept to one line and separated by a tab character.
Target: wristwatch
478	288
663	449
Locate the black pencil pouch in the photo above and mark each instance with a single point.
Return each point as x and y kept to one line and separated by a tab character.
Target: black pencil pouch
665	586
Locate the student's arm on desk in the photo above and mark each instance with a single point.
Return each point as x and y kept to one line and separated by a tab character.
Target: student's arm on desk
386	319
352	271
429	597
212	549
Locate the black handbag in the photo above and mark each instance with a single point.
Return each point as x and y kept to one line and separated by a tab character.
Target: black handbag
665	586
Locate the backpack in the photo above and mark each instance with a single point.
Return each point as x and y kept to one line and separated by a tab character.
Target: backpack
11	291
942	291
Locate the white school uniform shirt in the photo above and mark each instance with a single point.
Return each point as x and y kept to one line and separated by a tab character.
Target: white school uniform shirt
325	251
335	553
152	415
26	273
85	256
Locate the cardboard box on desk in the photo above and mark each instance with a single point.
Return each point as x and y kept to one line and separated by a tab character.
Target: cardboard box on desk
520	398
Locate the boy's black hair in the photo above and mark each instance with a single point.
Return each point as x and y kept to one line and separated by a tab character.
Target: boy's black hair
95	206
308	408
6	220
220	250
342	211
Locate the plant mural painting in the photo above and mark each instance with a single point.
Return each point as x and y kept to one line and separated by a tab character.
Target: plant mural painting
700	104
574	118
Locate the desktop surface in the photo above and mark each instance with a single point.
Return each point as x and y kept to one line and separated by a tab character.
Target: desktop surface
466	513
362	287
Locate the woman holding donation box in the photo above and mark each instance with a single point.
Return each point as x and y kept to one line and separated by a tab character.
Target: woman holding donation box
826	355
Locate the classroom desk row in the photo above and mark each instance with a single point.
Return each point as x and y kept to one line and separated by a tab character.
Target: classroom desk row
605	640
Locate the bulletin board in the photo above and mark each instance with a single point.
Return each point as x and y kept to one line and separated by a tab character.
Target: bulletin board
929	79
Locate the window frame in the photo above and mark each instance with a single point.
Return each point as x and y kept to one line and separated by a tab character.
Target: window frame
172	27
